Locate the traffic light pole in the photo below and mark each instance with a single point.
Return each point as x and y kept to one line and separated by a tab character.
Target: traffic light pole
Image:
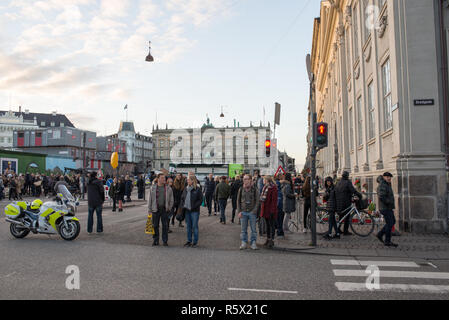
313	178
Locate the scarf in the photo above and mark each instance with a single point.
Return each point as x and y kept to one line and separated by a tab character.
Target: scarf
265	191
188	201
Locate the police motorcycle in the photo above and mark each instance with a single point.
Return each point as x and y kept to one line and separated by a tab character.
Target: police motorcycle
54	217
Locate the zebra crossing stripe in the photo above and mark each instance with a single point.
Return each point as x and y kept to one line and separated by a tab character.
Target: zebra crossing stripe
402	264
394	274
409	288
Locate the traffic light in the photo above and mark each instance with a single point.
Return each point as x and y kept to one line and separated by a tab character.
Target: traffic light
321	135
268	148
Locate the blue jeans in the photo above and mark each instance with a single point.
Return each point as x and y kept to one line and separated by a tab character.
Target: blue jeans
223	203
192	226
251	217
90	219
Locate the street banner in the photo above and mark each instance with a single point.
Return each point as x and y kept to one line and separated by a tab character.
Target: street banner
149	228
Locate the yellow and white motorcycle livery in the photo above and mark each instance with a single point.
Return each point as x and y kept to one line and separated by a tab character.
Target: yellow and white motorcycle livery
55	217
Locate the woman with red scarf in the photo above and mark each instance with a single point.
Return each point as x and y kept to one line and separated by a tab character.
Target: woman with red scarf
269	210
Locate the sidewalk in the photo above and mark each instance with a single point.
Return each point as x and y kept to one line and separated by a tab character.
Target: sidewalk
426	246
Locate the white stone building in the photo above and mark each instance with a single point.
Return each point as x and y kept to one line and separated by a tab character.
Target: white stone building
381	83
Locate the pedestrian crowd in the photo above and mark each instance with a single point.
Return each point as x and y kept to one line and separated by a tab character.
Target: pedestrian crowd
264	203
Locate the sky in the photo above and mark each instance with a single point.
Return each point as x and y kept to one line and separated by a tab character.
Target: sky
86	59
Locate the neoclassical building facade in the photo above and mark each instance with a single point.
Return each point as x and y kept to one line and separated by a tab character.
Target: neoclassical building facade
380	71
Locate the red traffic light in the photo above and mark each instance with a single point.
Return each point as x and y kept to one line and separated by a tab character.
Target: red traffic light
322	129
267	143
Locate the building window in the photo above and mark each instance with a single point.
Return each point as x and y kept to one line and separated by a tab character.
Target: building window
42	123
387	103
360	121
351	130
369	20
61	124
52	124
371	110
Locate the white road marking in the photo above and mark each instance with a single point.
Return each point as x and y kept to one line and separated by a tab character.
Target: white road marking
421	288
263	290
432	265
403	264
394	274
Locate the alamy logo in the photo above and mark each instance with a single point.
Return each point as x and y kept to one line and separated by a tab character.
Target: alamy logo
372	17
373	280
73	281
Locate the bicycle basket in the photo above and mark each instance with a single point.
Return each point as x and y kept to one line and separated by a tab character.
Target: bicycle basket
362	204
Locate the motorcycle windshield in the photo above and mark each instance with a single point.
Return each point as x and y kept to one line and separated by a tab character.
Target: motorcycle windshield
65	192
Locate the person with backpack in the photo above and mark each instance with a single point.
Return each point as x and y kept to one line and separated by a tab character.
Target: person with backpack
95	200
344	191
331	202
247	206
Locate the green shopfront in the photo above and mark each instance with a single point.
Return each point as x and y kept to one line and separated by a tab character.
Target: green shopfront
22	162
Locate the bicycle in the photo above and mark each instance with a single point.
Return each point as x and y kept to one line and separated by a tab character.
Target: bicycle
362	223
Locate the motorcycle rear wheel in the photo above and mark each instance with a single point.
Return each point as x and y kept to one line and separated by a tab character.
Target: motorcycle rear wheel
70	233
18	232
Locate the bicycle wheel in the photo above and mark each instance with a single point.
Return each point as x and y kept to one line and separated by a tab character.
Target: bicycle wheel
362	223
322	221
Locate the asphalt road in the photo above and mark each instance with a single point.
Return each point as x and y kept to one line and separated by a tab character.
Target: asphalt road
122	264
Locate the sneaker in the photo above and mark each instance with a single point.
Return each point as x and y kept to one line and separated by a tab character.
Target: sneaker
391	244
254	246
271	244
155	244
188	244
195	245
243	246
165	244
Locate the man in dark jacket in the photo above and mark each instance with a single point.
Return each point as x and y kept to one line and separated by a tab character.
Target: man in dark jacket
344	191
222	193
95	199
209	189
235	187
128	188
386	208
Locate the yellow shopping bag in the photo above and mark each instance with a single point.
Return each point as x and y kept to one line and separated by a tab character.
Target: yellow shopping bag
149	228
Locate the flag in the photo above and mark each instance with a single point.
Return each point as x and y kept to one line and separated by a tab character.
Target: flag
126	107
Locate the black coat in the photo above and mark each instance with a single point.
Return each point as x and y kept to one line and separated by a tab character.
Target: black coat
235	187
128	187
209	187
95	193
331	199
385	195
121	190
343	193
196	199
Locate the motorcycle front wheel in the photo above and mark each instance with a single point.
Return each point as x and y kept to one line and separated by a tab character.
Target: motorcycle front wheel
18	232
70	232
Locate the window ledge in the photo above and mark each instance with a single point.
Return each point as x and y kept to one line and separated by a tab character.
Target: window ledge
387	133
